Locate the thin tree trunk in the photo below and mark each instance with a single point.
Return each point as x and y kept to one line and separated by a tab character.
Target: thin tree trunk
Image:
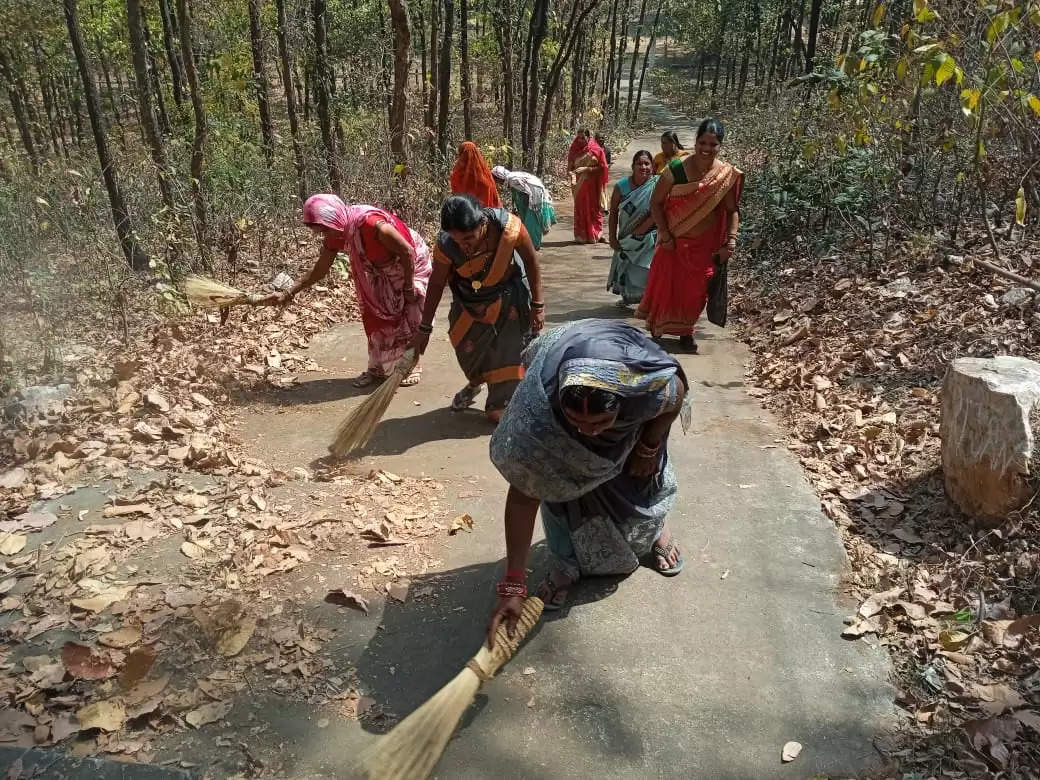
399	105
321	92
290	101
718	61
263	97
424	57
814	29
464	75
444	79
646	58
153	72
21	115
539	28
622	48
132	251
173	57
503	27
198	153
635	59
153	139
435	72
608	82
775	53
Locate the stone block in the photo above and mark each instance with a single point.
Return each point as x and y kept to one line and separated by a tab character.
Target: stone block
990	417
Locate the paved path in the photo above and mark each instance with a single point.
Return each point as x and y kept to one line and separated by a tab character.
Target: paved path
706	675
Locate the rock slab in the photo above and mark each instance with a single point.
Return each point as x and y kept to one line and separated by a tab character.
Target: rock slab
990	418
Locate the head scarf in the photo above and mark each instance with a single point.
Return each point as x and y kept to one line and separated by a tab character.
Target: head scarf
471	176
579	146
331	212
527	183
596	151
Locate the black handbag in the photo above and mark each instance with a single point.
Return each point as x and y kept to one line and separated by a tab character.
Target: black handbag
718	294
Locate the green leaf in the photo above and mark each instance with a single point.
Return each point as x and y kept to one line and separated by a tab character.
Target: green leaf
1020	207
925	48
996	27
1017	65
901	68
970	100
879	14
1034	103
945	70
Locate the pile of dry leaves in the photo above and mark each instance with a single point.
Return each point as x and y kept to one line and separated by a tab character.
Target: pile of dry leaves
149	612
852	358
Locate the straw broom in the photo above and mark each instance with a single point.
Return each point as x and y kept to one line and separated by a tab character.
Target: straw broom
412	749
358	426
210	294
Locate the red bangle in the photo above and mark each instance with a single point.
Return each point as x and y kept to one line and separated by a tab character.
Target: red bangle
516	575
508	590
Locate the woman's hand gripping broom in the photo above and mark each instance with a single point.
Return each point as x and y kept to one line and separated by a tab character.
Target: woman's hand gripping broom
412	749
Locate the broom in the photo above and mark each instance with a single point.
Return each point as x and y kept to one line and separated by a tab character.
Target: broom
412	749
358	426
213	295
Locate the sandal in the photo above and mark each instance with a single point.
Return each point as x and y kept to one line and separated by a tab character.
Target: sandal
367	378
687	342
553	596
412	379
664	552
464	399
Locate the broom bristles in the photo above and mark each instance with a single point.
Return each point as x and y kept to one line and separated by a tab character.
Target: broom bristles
358	426
208	293
412	749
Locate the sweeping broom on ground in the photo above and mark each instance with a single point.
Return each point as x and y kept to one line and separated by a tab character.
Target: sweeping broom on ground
209	294
358	426
412	749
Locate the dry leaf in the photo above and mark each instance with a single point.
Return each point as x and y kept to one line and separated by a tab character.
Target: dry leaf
461	523
157	400
7	584
398	591
208	713
194	551
123	637
107	715
141	530
29	521
102	601
86	663
347	598
121	510
13	478
137	666
879	601
790	751
194	500
12	544
235	637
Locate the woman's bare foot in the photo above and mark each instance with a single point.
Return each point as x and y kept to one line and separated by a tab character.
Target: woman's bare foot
554	590
668	557
412	379
368	378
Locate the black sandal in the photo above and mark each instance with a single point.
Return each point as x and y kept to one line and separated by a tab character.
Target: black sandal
664	552
548	592
687	342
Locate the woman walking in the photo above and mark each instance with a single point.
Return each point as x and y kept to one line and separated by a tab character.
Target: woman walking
531	200
471	176
632	230
390	265
588	166
671	149
586	438
488	259
696	206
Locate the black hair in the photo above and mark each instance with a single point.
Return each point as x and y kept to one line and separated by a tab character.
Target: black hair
586	132
589	400
713	126
462	212
670	135
643	153
597	136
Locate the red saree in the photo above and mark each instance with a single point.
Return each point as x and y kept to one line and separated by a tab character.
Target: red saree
677	289
588	189
472	176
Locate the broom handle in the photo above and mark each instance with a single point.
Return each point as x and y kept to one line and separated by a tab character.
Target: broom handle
487	662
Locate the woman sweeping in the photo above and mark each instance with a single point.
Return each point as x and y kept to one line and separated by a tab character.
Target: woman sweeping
671	149
471	176
696	207
632	230
391	266
588	166
586	438
531	200
496	284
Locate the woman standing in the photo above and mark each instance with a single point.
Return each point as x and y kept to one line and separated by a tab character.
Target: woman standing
632	230
471	176
589	175
586	437
531	200
696	206
671	149
487	258
390	265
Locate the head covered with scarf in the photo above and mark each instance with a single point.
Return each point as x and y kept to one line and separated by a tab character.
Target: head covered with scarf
472	176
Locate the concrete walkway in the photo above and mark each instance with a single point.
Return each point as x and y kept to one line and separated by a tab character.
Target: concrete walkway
703	676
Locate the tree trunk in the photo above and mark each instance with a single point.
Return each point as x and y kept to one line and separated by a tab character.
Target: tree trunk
539	28
622	48
152	137
646	58
135	256
775	56
464	81
552	80
399	105
290	101
263	99
444	79
198	154
608	82
718	61
635	59
503	24
173	57
321	92
21	114
424	57
435	72
814	29
576	82
153	73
